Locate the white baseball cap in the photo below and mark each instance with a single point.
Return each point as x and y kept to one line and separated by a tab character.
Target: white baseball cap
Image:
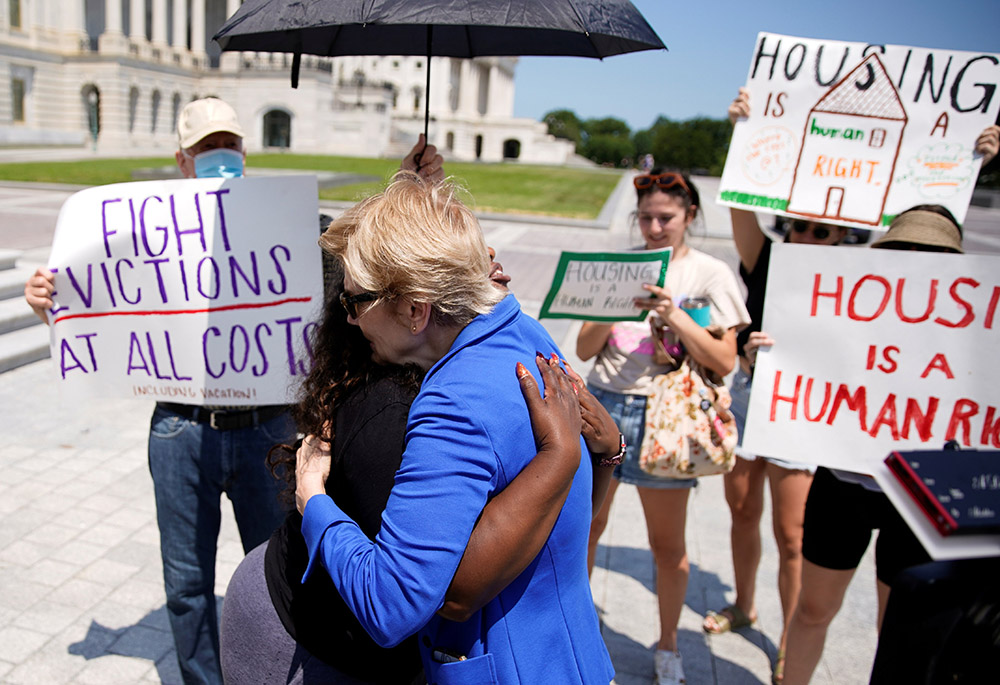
204	117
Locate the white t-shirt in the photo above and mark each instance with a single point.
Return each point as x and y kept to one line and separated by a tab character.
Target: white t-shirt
626	364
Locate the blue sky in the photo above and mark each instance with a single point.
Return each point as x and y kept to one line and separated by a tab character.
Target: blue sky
710	43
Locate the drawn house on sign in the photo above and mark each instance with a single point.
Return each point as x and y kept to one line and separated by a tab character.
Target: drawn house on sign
849	148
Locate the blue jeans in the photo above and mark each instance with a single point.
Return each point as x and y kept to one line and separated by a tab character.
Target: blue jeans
192	465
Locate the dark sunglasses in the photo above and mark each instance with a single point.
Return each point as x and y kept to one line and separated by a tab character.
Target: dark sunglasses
821	232
664	181
350	302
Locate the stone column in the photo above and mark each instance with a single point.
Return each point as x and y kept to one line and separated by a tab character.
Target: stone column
137	20
160	23
113	16
493	88
67	29
180	25
113	39
467	105
198	27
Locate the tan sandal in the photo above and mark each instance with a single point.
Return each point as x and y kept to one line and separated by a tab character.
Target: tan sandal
729	618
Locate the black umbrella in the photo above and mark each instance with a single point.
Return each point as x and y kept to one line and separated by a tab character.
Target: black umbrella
444	28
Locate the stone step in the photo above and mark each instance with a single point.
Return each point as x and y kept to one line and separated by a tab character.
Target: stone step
27	345
15	314
12	282
8	259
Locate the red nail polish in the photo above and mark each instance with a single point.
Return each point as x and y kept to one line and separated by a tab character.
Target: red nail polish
522	371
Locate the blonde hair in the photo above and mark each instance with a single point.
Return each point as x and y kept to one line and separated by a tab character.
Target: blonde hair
416	239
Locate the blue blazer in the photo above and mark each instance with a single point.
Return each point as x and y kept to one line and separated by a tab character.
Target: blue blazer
468	436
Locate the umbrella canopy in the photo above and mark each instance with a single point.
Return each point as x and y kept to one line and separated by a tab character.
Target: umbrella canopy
461	28
444	28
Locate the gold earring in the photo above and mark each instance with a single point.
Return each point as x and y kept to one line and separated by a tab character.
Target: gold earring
414	329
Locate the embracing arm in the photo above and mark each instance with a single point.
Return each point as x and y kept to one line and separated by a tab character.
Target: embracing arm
397	582
516	523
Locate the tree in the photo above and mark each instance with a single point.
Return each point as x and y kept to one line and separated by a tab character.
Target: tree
696	144
564	123
608	126
607	149
606	141
642	141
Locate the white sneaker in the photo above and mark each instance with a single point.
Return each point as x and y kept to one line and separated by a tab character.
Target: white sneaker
668	668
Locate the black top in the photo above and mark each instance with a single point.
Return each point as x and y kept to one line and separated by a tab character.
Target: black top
756	282
367	450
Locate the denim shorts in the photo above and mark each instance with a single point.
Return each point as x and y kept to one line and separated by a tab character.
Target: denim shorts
629	412
739	390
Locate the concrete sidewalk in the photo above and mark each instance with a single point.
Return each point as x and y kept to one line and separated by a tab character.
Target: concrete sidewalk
82	591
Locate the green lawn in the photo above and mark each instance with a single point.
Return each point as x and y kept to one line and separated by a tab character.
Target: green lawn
91	172
516	188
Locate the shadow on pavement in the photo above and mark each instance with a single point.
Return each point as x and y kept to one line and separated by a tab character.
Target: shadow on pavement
149	638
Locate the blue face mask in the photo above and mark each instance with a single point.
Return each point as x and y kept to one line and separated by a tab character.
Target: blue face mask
219	163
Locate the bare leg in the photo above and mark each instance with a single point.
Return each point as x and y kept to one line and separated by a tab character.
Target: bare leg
822	594
598	525
666	515
744	487
789	490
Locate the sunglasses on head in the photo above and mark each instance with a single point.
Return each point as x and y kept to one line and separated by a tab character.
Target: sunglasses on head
664	181
350	302
820	232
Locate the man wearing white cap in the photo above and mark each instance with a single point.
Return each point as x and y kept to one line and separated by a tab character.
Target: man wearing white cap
198	453
211	140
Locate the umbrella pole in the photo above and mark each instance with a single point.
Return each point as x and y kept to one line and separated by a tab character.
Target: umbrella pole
427	89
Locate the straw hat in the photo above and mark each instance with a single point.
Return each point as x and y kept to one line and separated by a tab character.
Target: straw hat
204	117
921	227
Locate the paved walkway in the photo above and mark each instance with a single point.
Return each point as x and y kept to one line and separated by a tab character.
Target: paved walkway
81	592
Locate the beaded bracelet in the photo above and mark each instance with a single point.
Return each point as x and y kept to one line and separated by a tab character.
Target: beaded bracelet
615	459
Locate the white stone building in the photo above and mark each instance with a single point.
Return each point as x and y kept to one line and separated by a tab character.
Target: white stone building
113	74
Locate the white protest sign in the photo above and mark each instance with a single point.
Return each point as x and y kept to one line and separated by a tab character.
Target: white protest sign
601	286
854	134
875	351
199	291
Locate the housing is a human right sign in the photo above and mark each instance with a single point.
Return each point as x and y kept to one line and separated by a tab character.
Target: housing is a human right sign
854	134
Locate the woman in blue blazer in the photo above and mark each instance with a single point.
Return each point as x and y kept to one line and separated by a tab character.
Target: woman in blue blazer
417	284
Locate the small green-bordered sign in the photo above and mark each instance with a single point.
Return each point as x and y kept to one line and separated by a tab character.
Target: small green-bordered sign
601	286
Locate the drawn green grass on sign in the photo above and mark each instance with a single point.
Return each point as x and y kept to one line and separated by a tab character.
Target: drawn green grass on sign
777	204
749	199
